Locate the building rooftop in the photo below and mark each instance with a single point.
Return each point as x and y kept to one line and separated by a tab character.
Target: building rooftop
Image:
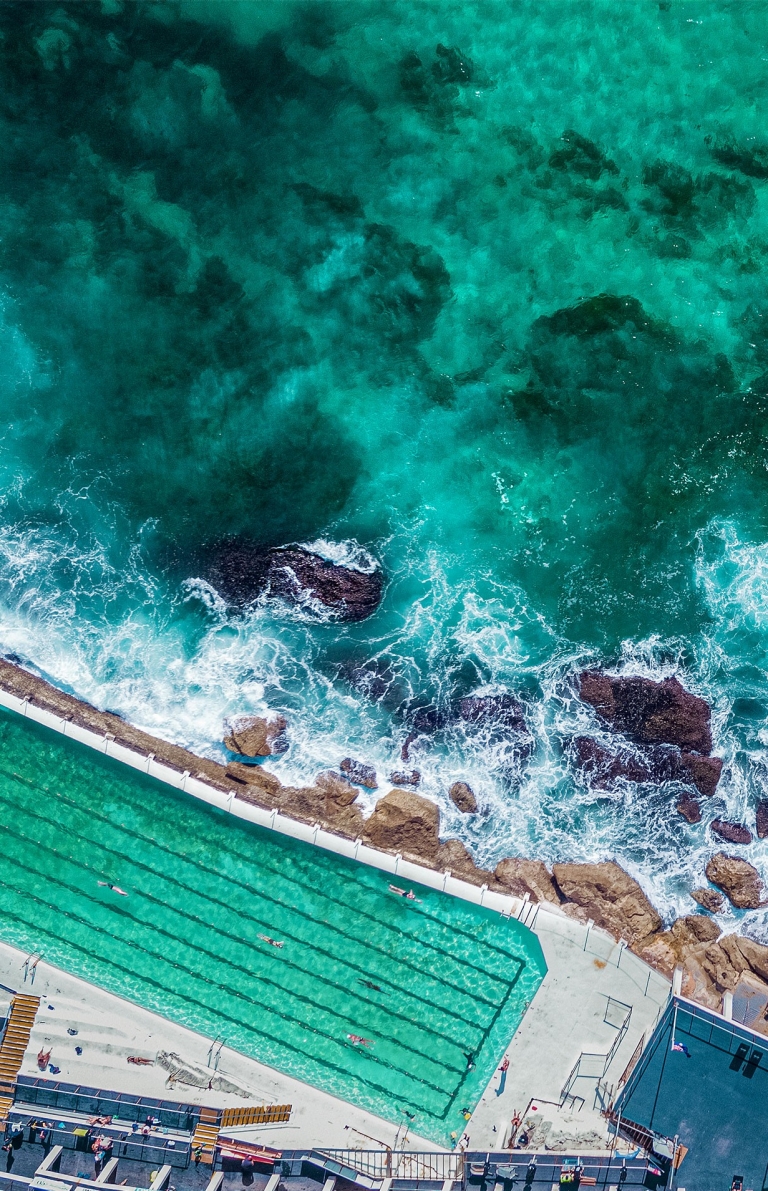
712	1095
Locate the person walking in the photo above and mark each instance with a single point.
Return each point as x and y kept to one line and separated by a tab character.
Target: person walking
504	1068
9	1158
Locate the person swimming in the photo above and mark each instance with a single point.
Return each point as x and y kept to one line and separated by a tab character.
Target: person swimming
370	984
358	1041
406	893
272	942
114	888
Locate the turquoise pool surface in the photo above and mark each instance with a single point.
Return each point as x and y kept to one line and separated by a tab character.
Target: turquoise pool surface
436	986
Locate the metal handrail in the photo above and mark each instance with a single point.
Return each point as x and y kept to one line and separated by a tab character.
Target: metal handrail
437	1165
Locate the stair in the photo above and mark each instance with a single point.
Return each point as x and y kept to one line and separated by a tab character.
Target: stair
206	1135
15	1042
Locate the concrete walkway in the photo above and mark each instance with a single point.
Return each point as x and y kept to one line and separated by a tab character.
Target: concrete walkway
589	978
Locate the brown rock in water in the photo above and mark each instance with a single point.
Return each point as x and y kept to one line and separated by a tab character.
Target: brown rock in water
694	929
254	776
649	712
405	822
463	797
241	570
257	736
660	763
739	881
613	899
709	899
761	818
411	777
689	808
337	789
702	772
357	771
455	858
733	833
521	876
499	717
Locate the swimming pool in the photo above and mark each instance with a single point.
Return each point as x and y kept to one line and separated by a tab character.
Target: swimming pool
437	986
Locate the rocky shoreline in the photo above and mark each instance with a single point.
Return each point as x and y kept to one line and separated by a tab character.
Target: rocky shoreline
407	823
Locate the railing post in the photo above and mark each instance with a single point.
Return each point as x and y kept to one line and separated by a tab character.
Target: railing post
590	924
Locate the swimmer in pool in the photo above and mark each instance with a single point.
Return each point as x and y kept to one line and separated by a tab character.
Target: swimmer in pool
114	888
406	893
272	942
358	1041
370	984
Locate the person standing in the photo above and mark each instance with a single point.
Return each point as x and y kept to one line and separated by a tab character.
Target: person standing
9	1158
504	1068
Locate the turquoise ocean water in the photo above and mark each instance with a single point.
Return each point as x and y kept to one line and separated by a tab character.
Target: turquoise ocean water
478	287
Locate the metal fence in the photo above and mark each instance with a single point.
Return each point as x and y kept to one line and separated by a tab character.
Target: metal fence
399	1164
594	1066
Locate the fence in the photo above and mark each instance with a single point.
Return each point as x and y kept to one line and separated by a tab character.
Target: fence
398	1164
594	1066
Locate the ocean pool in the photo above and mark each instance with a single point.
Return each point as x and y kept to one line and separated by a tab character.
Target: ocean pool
436	986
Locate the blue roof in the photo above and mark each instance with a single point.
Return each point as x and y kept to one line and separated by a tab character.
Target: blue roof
713	1095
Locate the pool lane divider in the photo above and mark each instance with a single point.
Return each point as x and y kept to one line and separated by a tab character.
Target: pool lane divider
274	820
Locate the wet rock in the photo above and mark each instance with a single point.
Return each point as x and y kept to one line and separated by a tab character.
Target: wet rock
649	712
602	767
695	928
498	717
761	818
733	833
709	899
378	680
463	797
336	787
520	876
360	773
454	857
739	881
661	763
702	772
689	808
241	570
254	776
257	736
401	777
407	823
503	711
613	899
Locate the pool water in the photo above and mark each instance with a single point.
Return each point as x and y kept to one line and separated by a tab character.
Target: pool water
437	986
